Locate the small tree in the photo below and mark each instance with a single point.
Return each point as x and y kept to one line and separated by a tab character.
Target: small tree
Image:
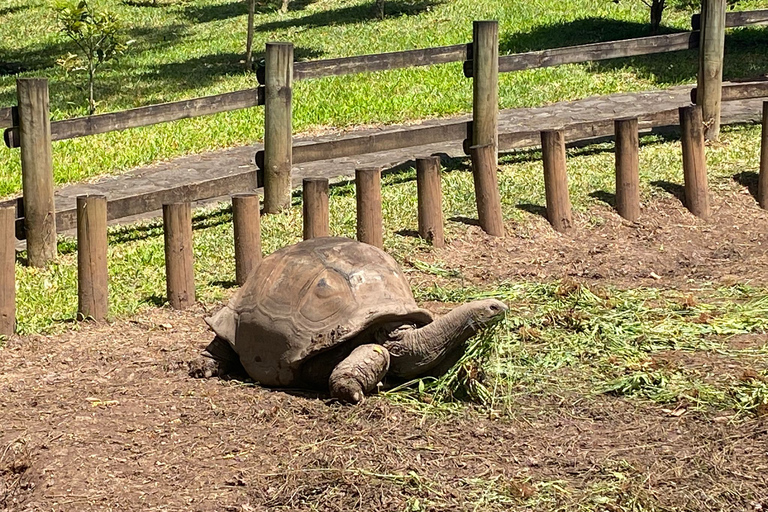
97	34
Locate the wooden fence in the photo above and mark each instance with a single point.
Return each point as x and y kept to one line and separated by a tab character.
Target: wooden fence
279	155
177	219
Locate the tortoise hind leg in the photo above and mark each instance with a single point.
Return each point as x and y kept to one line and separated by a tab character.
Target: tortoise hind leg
359	373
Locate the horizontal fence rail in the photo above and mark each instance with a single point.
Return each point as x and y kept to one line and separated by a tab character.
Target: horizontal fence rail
736	18
146	116
375	142
381	61
7	117
740	91
144	202
594	52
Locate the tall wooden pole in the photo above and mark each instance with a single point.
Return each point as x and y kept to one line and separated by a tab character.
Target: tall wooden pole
369	219
247	226
92	275
277	127
315	207
694	161
7	270
487	193
627	169
37	170
485	85
710	78
179	257
430	200
556	180
762	185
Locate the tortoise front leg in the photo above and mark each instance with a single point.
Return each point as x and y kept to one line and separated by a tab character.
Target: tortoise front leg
359	373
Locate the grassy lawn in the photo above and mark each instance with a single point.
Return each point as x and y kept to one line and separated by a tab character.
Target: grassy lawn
187	49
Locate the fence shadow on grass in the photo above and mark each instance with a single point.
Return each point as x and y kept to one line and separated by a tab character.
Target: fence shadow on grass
744	56
208	13
604	196
351	14
534	209
749	180
674	189
13	9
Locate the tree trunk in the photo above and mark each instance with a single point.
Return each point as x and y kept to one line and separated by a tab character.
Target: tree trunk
657	9
91	102
249	37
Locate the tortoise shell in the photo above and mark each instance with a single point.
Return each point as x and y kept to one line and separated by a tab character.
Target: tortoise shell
309	298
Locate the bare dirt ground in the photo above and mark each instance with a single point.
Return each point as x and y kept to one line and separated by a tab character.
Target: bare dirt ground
668	247
105	417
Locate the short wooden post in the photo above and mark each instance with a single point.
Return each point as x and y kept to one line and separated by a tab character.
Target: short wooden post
277	127
762	184
487	189
556	180
92	287
315	207
694	161
179	258
247	226
7	270
37	170
485	85
430	199
709	84
369	219
627	168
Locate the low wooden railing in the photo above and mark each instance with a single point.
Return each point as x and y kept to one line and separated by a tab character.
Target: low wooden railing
11	118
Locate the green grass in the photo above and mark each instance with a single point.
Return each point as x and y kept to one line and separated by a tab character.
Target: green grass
188	49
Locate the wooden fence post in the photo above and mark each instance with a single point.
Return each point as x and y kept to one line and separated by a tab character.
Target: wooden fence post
7	270
762	184
315	207
179	258
277	127
487	189
247	226
627	168
92	274
710	78
37	170
430	200
694	161
485	85
369	220
556	180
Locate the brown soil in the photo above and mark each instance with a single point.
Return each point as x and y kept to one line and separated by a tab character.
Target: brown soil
668	247
106	417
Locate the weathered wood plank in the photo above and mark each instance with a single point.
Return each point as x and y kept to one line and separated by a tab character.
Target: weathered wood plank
7	115
595	51
149	115
586	130
375	142
736	19
380	62
740	91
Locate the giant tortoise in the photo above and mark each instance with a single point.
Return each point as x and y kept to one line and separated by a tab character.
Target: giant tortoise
334	313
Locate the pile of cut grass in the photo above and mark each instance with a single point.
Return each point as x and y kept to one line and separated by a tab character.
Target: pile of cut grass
566	339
